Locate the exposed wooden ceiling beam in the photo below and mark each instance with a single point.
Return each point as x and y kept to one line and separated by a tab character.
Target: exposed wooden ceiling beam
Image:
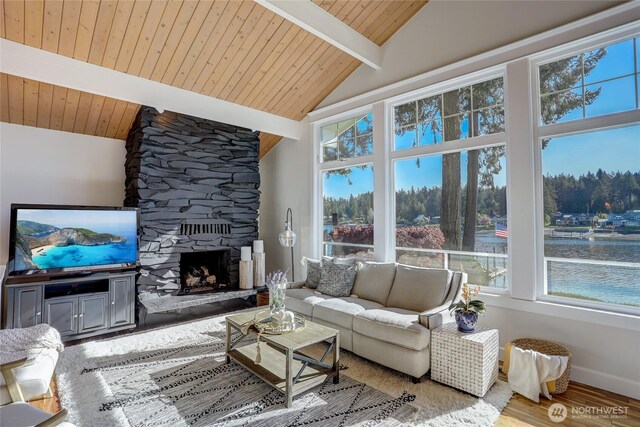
321	23
24	61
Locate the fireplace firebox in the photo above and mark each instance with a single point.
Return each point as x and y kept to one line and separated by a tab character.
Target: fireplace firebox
203	272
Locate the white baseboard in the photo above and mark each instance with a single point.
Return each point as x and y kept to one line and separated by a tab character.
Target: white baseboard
601	380
606	381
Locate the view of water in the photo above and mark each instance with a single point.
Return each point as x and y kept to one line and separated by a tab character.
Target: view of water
79	256
604	282
614	284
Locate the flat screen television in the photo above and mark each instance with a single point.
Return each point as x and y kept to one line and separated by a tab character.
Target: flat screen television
47	239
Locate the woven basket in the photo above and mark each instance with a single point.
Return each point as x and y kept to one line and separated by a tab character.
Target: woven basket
550	349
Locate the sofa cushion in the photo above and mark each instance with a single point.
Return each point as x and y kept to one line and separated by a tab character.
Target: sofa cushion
337	279
419	289
340	311
393	325
302	300
373	281
314	270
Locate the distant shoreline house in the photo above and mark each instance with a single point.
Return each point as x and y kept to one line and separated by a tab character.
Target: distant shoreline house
630	218
573	219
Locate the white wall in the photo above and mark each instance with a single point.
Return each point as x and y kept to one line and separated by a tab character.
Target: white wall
285	175
446	31
605	355
47	166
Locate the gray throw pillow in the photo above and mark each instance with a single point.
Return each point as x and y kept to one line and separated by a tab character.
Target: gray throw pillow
314	269
336	280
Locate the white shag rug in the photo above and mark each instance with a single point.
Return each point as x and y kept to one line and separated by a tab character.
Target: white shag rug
176	375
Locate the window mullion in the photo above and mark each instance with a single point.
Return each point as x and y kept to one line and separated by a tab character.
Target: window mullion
383	226
474	143
522	264
591	123
346	163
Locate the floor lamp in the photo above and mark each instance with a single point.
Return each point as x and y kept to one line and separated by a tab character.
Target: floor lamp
288	239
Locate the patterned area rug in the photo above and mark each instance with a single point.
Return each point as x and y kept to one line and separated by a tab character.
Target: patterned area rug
176	376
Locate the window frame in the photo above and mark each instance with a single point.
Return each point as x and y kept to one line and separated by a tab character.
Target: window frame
445	147
572	127
523	132
320	166
356	135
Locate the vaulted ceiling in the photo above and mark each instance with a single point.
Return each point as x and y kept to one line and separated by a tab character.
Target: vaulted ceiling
236	51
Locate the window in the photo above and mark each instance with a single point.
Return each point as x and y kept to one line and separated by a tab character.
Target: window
590	176
348	212
458	114
592	216
450	208
441	180
347	138
591	83
346	185
451	212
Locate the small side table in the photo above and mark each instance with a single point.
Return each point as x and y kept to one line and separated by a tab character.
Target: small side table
468	362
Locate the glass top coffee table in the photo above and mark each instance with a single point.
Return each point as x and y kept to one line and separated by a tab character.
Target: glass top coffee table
282	365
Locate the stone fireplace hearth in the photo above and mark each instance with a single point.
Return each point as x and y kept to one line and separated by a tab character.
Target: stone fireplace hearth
196	183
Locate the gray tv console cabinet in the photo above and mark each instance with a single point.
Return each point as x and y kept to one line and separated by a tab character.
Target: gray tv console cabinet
78	307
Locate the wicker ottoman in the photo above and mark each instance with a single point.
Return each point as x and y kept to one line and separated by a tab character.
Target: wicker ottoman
468	362
549	348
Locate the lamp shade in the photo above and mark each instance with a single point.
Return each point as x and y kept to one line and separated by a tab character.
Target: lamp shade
287	238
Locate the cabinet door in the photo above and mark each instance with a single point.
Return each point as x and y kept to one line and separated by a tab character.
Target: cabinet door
28	307
62	314
93	312
121	295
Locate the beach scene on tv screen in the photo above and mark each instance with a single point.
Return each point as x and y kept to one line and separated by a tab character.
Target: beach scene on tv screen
56	238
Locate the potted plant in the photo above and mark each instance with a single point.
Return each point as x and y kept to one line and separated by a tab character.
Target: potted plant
467	310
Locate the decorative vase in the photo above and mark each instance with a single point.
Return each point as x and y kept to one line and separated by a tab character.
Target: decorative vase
466	321
246	274
277	296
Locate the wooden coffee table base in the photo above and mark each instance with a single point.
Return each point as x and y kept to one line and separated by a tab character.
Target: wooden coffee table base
282	365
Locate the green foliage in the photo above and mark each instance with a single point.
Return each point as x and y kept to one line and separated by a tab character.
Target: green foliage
468	307
466	304
355	209
30	228
592	192
86	231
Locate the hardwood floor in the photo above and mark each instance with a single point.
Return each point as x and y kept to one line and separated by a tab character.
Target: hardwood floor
520	411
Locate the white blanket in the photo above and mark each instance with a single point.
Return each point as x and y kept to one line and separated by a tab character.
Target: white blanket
529	372
16	344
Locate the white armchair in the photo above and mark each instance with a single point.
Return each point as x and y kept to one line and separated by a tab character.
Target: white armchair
18	413
39	345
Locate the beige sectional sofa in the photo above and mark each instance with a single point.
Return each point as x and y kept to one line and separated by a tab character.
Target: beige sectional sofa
390	314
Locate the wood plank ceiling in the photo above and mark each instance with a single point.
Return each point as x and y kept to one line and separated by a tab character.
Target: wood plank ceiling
237	51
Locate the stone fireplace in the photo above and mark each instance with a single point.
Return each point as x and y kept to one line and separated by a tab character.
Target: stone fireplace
206	271
196	183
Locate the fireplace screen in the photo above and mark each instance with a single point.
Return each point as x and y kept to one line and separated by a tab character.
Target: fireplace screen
202	272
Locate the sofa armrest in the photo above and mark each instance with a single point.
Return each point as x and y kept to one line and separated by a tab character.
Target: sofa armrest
295	285
6	369
435	317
